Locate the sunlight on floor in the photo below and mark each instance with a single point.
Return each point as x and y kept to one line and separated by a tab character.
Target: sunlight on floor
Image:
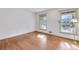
43	40
62	45
68	46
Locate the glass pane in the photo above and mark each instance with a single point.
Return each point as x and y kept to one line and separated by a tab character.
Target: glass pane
67	24
43	22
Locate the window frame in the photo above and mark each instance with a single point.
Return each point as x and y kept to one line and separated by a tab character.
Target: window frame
66	11
41	15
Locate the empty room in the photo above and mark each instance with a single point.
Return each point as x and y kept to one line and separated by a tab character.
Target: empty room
39	29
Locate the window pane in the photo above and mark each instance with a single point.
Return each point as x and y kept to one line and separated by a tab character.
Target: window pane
43	22
67	22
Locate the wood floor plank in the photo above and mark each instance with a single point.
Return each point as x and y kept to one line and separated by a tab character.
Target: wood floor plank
37	41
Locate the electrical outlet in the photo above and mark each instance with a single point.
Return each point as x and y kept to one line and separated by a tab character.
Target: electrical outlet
50	31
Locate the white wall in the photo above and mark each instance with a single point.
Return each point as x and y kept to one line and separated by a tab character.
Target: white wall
53	17
15	22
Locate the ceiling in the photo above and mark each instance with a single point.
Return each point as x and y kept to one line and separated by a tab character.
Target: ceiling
37	9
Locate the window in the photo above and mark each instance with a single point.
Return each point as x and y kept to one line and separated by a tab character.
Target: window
67	22
43	21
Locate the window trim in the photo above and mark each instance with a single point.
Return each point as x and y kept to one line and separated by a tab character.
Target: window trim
45	14
68	11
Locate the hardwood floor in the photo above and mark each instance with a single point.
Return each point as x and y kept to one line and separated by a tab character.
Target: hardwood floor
37	41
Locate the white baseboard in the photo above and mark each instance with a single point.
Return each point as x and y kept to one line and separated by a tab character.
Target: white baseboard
12	35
